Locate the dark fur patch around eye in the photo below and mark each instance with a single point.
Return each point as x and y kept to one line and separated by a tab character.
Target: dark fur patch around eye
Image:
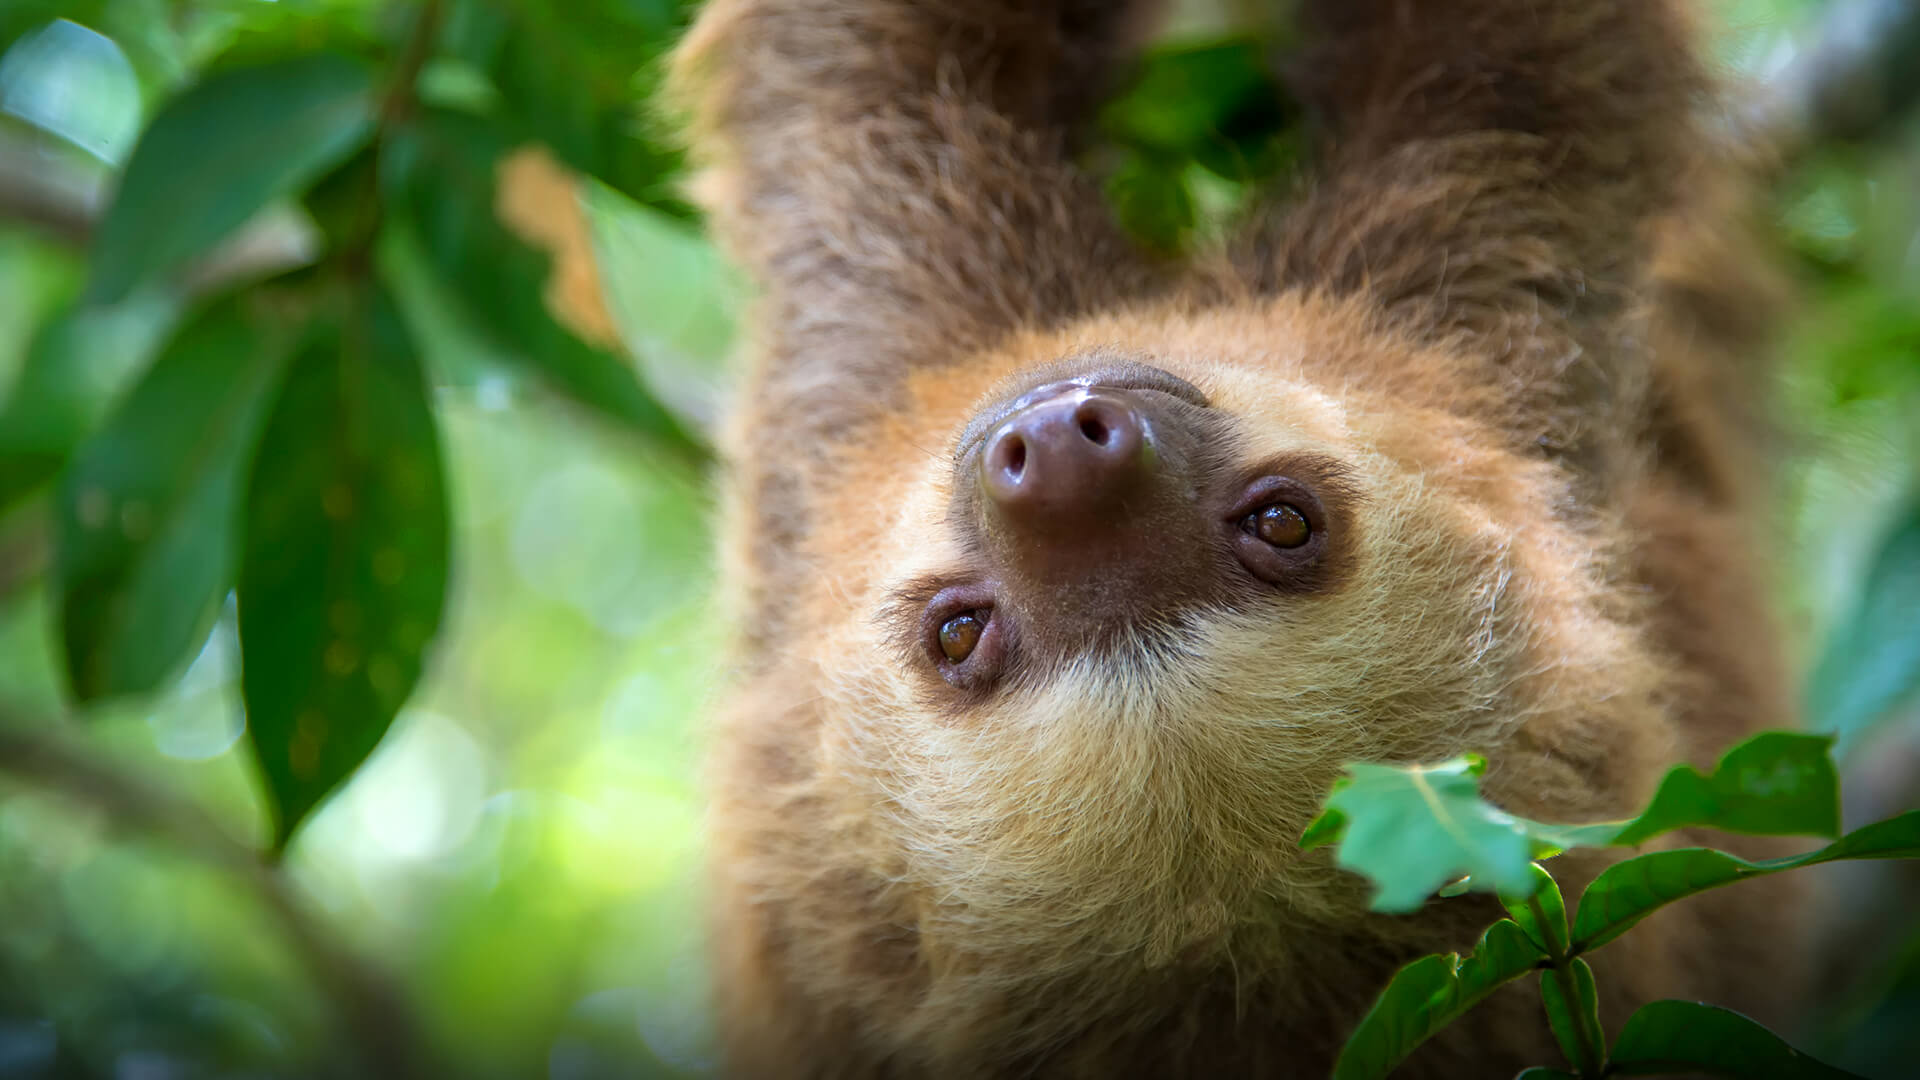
1325	492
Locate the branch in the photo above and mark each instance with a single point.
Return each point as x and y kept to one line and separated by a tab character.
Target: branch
370	1007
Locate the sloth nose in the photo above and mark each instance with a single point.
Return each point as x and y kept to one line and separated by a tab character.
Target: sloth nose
1066	460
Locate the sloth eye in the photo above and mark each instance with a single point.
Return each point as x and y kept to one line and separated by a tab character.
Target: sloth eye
1279	524
960	635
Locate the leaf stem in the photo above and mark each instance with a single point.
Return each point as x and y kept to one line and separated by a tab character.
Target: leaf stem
395	105
1591	1057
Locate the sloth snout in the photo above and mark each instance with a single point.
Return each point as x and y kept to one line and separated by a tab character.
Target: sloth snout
1067	461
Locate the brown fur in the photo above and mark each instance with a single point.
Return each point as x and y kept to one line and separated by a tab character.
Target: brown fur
1094	871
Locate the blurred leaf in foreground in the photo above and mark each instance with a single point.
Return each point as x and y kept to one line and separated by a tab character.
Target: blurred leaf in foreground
146	512
220	152
345	565
76	363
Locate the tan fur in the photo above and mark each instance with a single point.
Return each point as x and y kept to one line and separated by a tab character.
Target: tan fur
1096	872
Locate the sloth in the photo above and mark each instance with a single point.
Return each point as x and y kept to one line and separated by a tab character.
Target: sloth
1065	575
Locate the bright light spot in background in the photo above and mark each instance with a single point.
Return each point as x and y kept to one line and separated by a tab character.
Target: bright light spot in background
620	549
75	83
644	706
673	1016
574	540
204	717
421	793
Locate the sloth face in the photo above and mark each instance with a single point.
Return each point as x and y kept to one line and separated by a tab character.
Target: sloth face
1102	501
1102	615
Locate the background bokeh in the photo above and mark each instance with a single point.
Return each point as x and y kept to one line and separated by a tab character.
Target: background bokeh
521	851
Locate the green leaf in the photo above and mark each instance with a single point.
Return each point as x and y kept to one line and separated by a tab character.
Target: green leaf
220	152
575	75
446	181
1543	914
1778	783
672	295
1629	891
1187	96
1686	1037
1150	197
145	515
344	573
1413	830
1872	662
1430	993
1573	1012
78	361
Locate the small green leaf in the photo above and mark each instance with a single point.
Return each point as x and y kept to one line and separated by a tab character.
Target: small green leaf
446	180
1573	1012
1686	1037
1778	783
145	515
1430	993
1629	891
1543	915
221	151
344	573
1872	662
1413	830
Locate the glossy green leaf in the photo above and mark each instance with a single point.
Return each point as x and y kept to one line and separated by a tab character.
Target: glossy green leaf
344	573
145	517
1872	661
1573	1012
1412	830
1629	891
1542	914
1668	1037
446	180
1430	993
1778	783
219	153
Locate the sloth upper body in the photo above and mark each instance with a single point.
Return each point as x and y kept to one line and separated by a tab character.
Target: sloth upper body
1066	577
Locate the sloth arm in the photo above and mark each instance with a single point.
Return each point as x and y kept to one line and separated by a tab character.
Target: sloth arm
1492	174
895	173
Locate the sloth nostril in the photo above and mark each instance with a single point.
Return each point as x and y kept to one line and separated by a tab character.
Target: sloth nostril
1016	456
1095	430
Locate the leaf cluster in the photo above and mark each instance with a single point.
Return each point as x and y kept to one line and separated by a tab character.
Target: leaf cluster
1415	831
275	440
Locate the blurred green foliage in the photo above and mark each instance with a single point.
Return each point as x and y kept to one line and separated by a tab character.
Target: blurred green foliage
283	378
